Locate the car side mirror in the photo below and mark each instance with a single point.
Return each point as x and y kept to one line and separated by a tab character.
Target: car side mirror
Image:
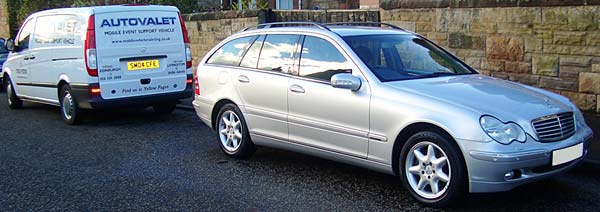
346	81
10	45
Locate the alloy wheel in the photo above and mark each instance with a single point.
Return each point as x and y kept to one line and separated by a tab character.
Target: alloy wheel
428	170
230	131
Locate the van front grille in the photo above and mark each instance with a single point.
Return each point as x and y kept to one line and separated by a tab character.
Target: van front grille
554	127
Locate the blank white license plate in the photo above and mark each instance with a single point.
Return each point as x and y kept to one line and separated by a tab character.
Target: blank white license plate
567	154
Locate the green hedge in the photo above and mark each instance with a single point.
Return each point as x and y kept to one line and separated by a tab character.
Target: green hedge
18	10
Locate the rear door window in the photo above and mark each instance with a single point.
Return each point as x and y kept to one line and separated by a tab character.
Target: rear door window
231	53
320	60
278	53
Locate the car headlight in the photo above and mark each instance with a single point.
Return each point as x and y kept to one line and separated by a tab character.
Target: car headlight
504	133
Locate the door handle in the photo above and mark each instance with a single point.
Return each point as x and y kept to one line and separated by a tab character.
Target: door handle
297	89
26	57
243	79
32	57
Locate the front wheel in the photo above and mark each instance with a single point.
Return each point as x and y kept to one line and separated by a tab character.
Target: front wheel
69	109
13	100
233	134
433	169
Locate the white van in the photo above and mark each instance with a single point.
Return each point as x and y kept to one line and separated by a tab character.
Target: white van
100	57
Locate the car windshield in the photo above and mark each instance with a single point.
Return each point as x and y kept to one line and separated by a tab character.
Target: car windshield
403	57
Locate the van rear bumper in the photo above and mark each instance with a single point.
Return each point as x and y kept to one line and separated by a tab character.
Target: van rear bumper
86	100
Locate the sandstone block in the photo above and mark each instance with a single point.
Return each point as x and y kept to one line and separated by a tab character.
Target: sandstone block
573	60
545	65
554	15
524	15
571	72
507	48
589	82
528	79
533	44
585	102
462	41
517	67
581	18
596	68
568	38
492	65
558	83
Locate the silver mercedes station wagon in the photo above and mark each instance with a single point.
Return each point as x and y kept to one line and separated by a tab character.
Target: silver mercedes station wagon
377	96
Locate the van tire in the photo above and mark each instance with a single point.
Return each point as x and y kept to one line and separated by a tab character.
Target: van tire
245	147
69	107
13	100
165	108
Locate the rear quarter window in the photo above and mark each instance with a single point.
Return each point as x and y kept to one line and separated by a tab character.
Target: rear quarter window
231	53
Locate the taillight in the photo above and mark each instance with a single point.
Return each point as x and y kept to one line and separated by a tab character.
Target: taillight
196	86
95	90
186	41
91	58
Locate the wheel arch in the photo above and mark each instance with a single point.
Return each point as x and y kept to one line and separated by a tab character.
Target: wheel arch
215	111
410	130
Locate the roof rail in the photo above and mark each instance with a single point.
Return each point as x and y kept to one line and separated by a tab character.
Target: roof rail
380	24
284	24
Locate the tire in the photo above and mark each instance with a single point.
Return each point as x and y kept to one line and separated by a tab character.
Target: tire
165	108
13	100
234	139
69	107
421	173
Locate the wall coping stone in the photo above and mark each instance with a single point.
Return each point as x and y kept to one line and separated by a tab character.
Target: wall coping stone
412	4
230	14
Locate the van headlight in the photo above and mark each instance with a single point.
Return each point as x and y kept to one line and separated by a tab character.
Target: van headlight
504	133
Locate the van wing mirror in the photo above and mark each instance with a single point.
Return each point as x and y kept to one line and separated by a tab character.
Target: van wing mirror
10	45
345	81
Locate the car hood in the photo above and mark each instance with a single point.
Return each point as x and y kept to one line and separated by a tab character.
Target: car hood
508	101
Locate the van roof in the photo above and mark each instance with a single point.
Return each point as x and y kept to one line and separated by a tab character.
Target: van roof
106	9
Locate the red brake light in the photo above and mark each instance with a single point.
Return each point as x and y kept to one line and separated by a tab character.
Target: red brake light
196	86
90	48
186	41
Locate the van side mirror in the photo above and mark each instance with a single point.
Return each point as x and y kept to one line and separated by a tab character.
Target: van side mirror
10	45
345	81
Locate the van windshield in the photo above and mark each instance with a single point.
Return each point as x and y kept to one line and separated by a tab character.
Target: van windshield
404	57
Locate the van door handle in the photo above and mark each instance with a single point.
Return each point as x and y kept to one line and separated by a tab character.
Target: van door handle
243	79
297	89
32	57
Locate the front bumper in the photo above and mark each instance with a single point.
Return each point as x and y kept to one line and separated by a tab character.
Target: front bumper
531	162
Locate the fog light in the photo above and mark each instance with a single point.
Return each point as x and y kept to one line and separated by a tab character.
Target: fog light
513	174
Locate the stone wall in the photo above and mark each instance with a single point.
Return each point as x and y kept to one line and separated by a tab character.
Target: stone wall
556	48
206	30
209	28
4	27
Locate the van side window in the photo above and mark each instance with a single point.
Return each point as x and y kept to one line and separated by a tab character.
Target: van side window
251	58
57	30
320	60
278	53
25	35
231	52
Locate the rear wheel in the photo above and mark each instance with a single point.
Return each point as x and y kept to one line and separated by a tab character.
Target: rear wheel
69	109
13	100
433	169
164	108
232	132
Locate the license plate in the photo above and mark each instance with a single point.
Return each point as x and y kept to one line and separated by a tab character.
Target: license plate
141	65
567	154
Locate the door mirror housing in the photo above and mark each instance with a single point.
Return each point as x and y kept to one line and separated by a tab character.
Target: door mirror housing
10	45
346	81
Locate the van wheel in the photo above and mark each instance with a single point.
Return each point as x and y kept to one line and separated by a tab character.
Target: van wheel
233	134
166	108
432	169
13	100
69	109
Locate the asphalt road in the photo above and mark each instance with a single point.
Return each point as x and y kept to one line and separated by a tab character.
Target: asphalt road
137	160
